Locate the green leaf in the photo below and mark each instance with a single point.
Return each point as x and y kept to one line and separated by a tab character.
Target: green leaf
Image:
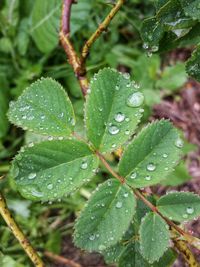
45	22
43	108
191	8
51	169
193	64
113	109
106	218
112	254
180	206
154	237
131	257
173	77
178	177
151	33
152	154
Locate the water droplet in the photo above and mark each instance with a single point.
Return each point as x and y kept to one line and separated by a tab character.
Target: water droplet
32	175
165	155
135	100
126	194
185	216
145	46
119	204
126	75
133	175
190	210
127	132
179	143
151	167
92	237
50	186
84	165
119	117
113	129
148	178
102	247
113	145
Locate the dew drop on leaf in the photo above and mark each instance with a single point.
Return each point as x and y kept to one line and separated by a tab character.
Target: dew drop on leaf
165	155
135	100
119	117
126	194
133	175
190	210
126	75
151	167
113	129
92	237
119	204
102	247
50	186
84	165
148	178
179	143
32	175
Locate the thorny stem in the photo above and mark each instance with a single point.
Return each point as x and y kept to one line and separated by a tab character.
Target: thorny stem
108	167
5	213
78	63
102	27
186	252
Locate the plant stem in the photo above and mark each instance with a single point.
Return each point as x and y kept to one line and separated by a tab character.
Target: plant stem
61	259
108	167
78	63
186	252
5	213
102	27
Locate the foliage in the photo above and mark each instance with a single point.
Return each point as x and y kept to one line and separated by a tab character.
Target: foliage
58	151
51	168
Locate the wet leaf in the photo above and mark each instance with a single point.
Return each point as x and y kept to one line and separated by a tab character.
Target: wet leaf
43	108
179	206
113	109
151	155
106	217
51	169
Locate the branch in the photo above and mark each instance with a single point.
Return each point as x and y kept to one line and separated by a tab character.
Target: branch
72	56
78	63
182	247
60	259
5	213
102	27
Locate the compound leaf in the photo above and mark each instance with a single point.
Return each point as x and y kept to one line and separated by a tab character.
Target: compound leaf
44	108
154	237
113	109
180	206
106	218
51	169
152	154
